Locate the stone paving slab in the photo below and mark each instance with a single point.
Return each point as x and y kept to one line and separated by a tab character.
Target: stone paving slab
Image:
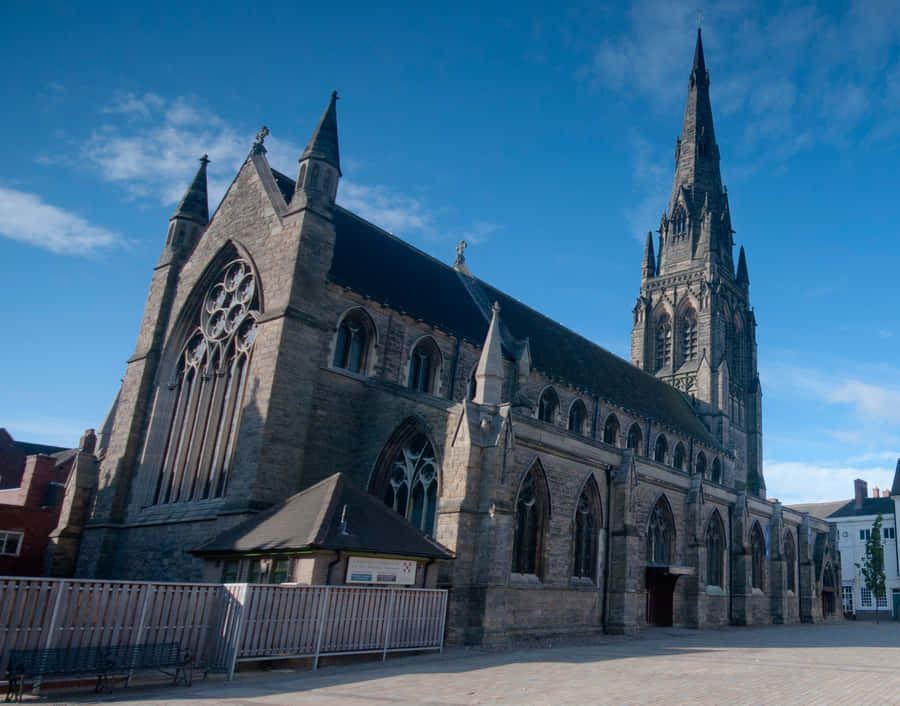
846	663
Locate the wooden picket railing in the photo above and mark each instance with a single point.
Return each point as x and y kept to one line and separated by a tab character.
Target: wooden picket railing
221	624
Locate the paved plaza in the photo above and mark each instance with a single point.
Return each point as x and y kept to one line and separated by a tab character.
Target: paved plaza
845	663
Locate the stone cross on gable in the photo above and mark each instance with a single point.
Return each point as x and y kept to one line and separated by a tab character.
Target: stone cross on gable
460	258
260	139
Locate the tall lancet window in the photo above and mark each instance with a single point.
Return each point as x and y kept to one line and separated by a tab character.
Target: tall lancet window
663	341
689	335
412	484
587	524
209	390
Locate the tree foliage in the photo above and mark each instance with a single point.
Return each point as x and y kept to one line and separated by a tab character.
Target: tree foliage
872	566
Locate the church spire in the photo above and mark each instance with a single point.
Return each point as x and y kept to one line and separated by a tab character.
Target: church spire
320	163
742	276
648	266
194	205
489	373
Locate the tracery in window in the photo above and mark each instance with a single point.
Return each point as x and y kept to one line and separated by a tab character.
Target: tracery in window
548	405
663	341
700	468
351	350
209	385
532	513
411	485
661	449
577	415
661	534
635	439
689	335
611	430
587	523
717	471
790	563
424	366
715	551
757	557
678	456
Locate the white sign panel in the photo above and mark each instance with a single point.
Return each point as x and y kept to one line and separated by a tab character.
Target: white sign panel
361	569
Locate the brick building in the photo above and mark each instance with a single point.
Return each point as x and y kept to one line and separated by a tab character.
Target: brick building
44	499
287	339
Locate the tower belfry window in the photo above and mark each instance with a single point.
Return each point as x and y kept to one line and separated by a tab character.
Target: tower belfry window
689	335
209	390
663	341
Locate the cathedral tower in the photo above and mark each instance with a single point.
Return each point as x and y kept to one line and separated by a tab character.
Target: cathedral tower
693	325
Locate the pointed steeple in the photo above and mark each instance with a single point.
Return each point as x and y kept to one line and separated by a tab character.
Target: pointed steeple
489	373
648	267
742	276
194	205
324	141
320	163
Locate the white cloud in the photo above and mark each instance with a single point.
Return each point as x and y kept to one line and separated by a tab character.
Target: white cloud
27	218
874	402
480	231
393	211
802	482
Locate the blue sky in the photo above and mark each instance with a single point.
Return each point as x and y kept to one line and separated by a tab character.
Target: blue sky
545	138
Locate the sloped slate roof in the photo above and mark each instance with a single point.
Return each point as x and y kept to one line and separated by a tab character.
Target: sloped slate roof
870	506
311	520
30	449
820	510
285	185
384	268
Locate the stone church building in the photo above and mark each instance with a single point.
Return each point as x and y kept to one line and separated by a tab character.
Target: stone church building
286	339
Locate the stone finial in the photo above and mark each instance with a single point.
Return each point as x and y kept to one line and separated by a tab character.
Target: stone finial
258	146
459	264
489	373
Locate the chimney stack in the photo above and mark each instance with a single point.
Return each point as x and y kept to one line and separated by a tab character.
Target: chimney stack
875	492
861	490
88	442
885	493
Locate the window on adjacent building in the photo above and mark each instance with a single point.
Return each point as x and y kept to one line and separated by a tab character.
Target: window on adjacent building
881	601
847	598
548	405
11	543
865	597
231	571
864	534
281	570
424	366
888	532
532	512
355	333
577	415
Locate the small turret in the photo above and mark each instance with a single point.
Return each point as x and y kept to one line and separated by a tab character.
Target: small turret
320	164
648	266
190	218
489	373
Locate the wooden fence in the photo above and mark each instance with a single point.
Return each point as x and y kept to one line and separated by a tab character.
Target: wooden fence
220	624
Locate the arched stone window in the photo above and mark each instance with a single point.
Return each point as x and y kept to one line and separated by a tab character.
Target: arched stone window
577	416
663	341
611	430
587	524
689	335
757	557
424	366
547	406
790	563
716	471
406	477
209	384
715	551
661	449
532	518
635	439
354	338
661	534
738	350
678	456
700	468
679	221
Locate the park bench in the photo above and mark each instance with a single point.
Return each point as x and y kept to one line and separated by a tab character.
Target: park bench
101	662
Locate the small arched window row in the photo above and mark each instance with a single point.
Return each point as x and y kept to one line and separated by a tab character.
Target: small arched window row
354	341
635	439
424	366
548	404
611	430
577	417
